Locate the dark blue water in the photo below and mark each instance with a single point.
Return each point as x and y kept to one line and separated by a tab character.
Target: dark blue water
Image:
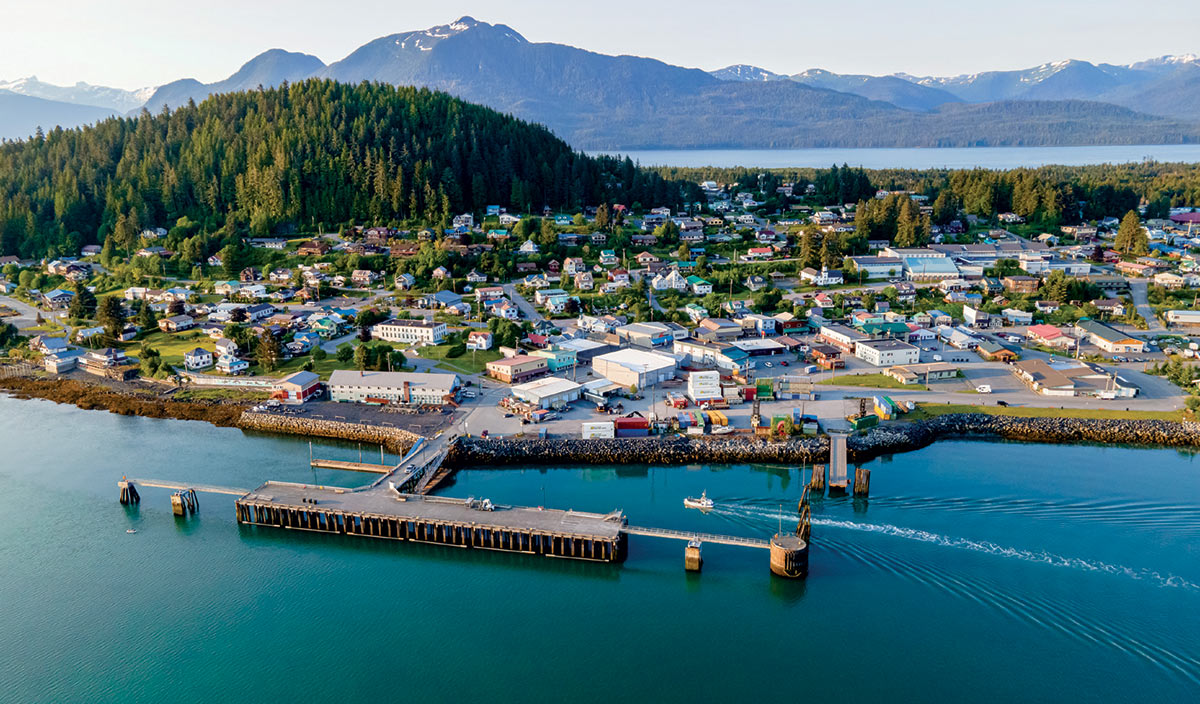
916	158
977	571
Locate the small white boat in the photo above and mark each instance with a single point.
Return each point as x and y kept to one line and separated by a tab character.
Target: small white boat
702	503
131	531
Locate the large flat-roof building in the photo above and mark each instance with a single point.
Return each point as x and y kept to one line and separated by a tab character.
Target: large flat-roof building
722	355
548	391
630	367
520	368
401	388
887	353
413	331
1108	339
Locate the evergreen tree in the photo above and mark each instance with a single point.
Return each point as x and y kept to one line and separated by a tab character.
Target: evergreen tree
111	315
268	352
1132	237
83	304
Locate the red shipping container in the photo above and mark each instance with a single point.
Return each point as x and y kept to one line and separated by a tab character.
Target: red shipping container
749	393
632	423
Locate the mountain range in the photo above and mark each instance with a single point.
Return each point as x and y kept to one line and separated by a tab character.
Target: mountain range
597	101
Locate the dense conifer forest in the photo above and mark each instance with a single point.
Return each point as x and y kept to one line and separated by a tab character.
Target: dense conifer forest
297	158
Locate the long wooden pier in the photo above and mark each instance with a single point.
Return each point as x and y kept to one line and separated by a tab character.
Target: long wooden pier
180	486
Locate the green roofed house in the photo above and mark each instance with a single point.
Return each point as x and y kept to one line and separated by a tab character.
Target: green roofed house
878	330
700	287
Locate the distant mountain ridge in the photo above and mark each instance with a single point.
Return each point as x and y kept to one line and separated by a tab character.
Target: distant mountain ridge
269	69
22	115
598	101
81	93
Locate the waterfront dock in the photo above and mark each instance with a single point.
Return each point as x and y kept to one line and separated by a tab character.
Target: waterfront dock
352	466
467	523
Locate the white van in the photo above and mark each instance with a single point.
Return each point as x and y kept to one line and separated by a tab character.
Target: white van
983	389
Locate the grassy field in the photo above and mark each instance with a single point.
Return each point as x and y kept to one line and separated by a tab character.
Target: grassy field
172	346
463	364
929	410
872	381
220	394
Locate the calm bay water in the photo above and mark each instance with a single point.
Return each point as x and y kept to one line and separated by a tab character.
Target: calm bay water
915	158
979	570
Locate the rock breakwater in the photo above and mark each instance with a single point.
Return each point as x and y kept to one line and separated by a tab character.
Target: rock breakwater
395	440
864	447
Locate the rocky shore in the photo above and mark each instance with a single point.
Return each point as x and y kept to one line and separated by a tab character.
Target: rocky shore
879	441
395	440
99	397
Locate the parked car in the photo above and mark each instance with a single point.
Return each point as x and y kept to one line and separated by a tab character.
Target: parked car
983	389
784	363
1002	403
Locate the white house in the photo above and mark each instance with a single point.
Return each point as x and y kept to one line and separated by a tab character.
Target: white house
400	330
824	277
198	358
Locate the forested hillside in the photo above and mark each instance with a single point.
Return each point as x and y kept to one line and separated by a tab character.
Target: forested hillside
313	154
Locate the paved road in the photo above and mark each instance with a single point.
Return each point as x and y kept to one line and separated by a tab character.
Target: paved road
26	314
1141	299
525	306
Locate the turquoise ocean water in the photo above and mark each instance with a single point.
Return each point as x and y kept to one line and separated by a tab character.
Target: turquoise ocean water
978	571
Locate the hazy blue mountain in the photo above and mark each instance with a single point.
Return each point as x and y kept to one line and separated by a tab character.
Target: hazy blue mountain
890	89
746	72
81	93
21	115
268	69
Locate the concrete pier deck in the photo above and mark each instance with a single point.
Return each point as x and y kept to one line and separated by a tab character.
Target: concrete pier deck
383	512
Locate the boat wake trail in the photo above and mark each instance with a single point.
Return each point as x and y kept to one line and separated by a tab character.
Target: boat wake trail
990	548
755	515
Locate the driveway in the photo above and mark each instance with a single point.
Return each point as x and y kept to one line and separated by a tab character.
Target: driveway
1141	299
531	313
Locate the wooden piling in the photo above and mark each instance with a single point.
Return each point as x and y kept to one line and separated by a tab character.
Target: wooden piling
862	482
817	483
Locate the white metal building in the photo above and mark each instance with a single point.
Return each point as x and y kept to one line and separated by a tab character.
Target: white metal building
630	367
548	391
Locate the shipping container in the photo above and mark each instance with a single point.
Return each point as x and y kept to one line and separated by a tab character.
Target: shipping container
634	423
695	430
598	429
870	420
633	432
749	392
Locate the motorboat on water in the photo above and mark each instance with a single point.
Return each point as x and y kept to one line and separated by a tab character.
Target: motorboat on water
703	503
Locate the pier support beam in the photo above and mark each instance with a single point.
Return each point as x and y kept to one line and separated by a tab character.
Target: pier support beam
862	482
817	484
692	559
129	492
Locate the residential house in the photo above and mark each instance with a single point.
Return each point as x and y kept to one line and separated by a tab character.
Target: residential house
198	358
528	248
364	277
479	340
314	248
228	364
609	258
584	281
699	286
474	276
404	281
755	282
176	323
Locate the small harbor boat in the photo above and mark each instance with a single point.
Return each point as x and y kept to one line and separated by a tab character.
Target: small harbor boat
131	531
703	503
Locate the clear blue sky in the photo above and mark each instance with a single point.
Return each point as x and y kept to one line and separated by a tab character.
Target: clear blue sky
133	43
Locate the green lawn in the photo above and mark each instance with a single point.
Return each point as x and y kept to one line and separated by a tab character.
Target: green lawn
872	381
172	346
469	363
220	394
929	410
